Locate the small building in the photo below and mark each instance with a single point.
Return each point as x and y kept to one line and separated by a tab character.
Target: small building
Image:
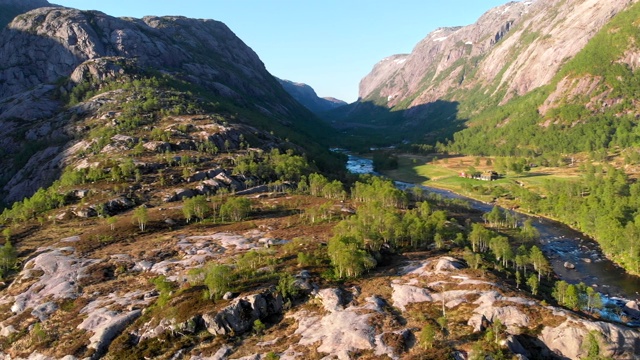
488	176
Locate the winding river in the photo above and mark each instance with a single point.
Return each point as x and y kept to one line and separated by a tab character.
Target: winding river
560	244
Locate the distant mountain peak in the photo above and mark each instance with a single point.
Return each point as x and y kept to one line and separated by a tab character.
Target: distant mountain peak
307	96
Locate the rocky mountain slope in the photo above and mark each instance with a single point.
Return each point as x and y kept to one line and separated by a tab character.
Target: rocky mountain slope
538	38
51	56
510	51
12	8
587	106
180	216
306	96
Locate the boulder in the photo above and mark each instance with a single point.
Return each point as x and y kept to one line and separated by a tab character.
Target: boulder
238	317
332	299
209	186
446	264
304	274
106	326
123	141
118	204
197	176
186	145
633	305
79	193
516	347
408	294
228	180
85	212
184	194
569	265
157	146
7	331
212	173
179	194
567	339
510	316
479	322
303	285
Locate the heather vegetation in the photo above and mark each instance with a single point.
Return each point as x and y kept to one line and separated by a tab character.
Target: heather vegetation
195	219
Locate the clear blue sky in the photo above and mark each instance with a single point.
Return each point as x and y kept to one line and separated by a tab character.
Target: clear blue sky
328	44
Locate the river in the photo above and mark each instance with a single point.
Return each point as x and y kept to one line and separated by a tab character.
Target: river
560	244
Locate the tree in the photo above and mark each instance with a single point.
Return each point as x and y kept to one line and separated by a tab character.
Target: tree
6	232
594	300
427	336
111	221
443	322
528	232
533	284
249	262
560	291
287	286
501	248
479	237
539	261
236	209
591	345
498	329
347	258
522	259
217	279
473	260
494	217
196	206
8	256
438	241
572	297
259	327
141	216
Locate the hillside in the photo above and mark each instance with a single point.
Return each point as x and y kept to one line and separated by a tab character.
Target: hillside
587	107
306	96
454	74
12	8
55	57
168	199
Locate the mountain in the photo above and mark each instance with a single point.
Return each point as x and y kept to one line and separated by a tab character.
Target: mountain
306	96
166	201
55	58
12	8
456	73
588	106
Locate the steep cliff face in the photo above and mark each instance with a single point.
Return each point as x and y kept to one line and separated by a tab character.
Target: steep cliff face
48	44
440	52
307	96
52	55
509	51
11	8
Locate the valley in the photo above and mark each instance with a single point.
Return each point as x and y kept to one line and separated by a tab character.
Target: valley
560	243
166	197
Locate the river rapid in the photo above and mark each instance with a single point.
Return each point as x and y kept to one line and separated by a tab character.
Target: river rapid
560	243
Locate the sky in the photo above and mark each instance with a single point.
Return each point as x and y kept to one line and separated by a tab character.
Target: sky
329	44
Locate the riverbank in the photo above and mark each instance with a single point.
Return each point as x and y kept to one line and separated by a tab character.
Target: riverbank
445	173
560	243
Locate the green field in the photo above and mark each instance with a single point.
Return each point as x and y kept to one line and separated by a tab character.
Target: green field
445	174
